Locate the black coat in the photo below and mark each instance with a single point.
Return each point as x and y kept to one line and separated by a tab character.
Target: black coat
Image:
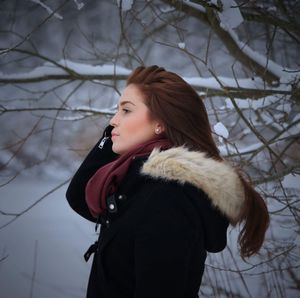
154	242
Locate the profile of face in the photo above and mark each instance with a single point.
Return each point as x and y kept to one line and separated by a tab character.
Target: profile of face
132	122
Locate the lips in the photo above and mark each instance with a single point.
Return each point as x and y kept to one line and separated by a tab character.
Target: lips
114	135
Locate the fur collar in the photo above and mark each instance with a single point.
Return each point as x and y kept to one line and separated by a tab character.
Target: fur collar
217	179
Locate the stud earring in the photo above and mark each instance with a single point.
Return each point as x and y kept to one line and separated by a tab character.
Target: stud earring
157	131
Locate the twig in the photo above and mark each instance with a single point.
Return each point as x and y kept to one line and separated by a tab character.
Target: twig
34	268
17	215
5	51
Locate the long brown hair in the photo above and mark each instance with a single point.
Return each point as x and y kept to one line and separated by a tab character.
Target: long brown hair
177	105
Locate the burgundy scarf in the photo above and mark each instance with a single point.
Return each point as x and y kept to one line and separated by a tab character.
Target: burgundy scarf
107	179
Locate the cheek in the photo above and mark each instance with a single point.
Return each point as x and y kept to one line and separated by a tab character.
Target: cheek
132	125
139	124
139	129
133	131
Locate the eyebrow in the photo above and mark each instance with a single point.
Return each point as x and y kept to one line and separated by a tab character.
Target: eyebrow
125	102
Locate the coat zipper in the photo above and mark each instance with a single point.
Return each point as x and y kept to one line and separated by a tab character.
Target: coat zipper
102	142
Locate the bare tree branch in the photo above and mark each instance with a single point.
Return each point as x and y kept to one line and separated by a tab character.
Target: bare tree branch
5	51
231	44
17	215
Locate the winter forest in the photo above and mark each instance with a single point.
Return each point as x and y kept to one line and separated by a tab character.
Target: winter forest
63	65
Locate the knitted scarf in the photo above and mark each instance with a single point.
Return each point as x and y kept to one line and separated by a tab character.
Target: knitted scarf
108	178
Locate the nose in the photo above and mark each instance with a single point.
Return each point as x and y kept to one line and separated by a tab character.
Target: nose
114	120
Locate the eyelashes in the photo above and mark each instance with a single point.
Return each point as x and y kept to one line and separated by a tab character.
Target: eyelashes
125	111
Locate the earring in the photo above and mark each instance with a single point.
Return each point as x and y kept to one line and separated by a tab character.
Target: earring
157	131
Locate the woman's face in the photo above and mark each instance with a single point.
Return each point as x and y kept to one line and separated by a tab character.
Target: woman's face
132	123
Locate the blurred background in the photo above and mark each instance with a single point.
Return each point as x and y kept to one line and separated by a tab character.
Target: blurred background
63	66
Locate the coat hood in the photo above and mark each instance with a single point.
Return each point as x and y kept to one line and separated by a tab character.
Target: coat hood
217	179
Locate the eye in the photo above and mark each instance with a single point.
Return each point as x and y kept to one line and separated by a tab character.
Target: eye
125	111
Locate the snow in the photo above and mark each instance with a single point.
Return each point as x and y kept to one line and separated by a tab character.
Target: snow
72	118
272	9
181	45
285	107
231	15
49	69
83	110
110	110
87	111
291	181
211	82
285	75
221	130
251	104
79	5
63	66
52	231
248	148
194	5
167	8
88	69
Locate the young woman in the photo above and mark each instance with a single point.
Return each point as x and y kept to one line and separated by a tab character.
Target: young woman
162	193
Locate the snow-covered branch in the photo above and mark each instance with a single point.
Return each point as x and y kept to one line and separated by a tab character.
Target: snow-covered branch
269	19
254	61
48	9
79	109
69	70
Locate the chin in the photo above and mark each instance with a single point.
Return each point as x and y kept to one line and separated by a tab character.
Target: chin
117	150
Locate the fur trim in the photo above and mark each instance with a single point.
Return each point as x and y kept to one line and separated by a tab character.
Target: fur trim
217	179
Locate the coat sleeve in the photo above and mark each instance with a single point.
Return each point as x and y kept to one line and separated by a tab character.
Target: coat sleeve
164	247
96	158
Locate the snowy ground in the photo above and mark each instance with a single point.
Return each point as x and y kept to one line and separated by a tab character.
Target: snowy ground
46	244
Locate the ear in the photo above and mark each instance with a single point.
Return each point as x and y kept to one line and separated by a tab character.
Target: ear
162	127
159	128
